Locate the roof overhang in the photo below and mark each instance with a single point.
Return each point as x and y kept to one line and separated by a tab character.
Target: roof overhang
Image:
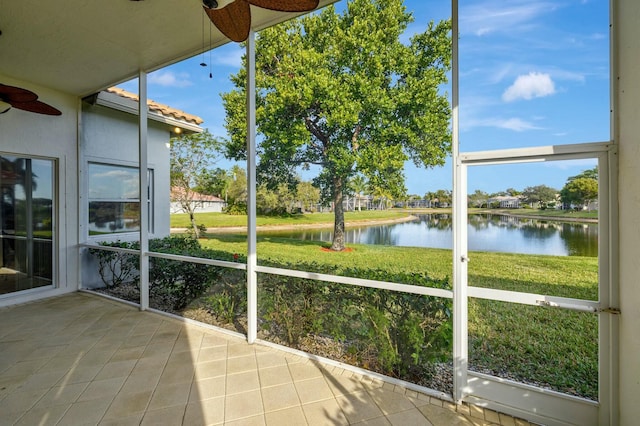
80	47
130	106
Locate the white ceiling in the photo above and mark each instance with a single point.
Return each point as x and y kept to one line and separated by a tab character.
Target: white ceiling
82	46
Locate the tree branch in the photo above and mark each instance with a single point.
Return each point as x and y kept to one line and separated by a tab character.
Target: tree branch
354	138
311	125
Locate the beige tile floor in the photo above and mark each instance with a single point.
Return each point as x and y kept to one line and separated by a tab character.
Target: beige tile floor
84	360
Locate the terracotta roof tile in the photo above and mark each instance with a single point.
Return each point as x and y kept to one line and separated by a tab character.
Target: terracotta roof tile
159	108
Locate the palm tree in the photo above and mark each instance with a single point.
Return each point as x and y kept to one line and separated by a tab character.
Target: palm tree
358	185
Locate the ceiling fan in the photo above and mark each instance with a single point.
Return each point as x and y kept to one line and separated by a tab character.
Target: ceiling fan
11	96
233	18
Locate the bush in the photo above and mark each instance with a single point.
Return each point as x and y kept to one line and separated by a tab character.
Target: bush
395	333
178	281
236	209
116	268
202	230
182	281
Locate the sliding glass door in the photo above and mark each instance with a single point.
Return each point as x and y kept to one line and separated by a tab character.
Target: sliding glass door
27	221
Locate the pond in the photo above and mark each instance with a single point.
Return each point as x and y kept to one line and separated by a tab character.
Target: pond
496	233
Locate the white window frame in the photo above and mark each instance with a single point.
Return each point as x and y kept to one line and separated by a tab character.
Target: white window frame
150	192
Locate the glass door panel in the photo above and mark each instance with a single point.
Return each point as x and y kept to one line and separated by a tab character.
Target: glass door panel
27	218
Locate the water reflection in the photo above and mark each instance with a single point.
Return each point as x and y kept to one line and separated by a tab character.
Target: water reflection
495	233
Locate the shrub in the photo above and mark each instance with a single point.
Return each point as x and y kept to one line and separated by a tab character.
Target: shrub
116	268
236	209
395	333
182	281
202	230
177	281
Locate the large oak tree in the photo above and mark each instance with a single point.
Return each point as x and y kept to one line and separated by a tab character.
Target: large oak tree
342	91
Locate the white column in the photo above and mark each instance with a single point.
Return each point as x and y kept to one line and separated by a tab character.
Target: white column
626	124
252	256
460	346
143	185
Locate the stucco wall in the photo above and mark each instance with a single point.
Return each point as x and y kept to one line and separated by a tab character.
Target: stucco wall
51	137
111	136
627	133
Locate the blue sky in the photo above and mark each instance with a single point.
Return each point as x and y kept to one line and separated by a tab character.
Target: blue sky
532	73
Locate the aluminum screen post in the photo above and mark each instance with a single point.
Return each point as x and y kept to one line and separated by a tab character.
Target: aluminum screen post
460	259
252	257
143	188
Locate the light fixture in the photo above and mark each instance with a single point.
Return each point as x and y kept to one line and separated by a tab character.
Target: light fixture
177	130
210	4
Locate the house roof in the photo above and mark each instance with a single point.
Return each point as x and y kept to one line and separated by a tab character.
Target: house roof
81	47
121	100
159	108
195	196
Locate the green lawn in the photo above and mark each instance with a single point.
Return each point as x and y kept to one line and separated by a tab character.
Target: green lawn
222	220
567	276
212	220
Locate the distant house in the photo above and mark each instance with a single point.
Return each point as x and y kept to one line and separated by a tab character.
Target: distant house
505	201
436	203
201	203
587	206
358	202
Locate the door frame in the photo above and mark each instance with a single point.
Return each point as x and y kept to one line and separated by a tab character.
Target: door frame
526	401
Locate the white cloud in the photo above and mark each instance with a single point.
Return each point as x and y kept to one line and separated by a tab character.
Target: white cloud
515	124
532	85
170	79
491	16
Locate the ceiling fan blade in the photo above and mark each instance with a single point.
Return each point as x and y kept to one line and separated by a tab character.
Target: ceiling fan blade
233	20
16	94
37	107
286	5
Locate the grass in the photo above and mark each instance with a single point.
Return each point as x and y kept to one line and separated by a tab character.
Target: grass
567	276
550	213
210	220
222	220
526	343
283	250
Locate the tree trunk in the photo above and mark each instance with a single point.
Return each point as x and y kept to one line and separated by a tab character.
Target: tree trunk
338	227
196	231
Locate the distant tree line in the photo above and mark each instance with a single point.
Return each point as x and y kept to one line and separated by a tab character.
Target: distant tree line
579	191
